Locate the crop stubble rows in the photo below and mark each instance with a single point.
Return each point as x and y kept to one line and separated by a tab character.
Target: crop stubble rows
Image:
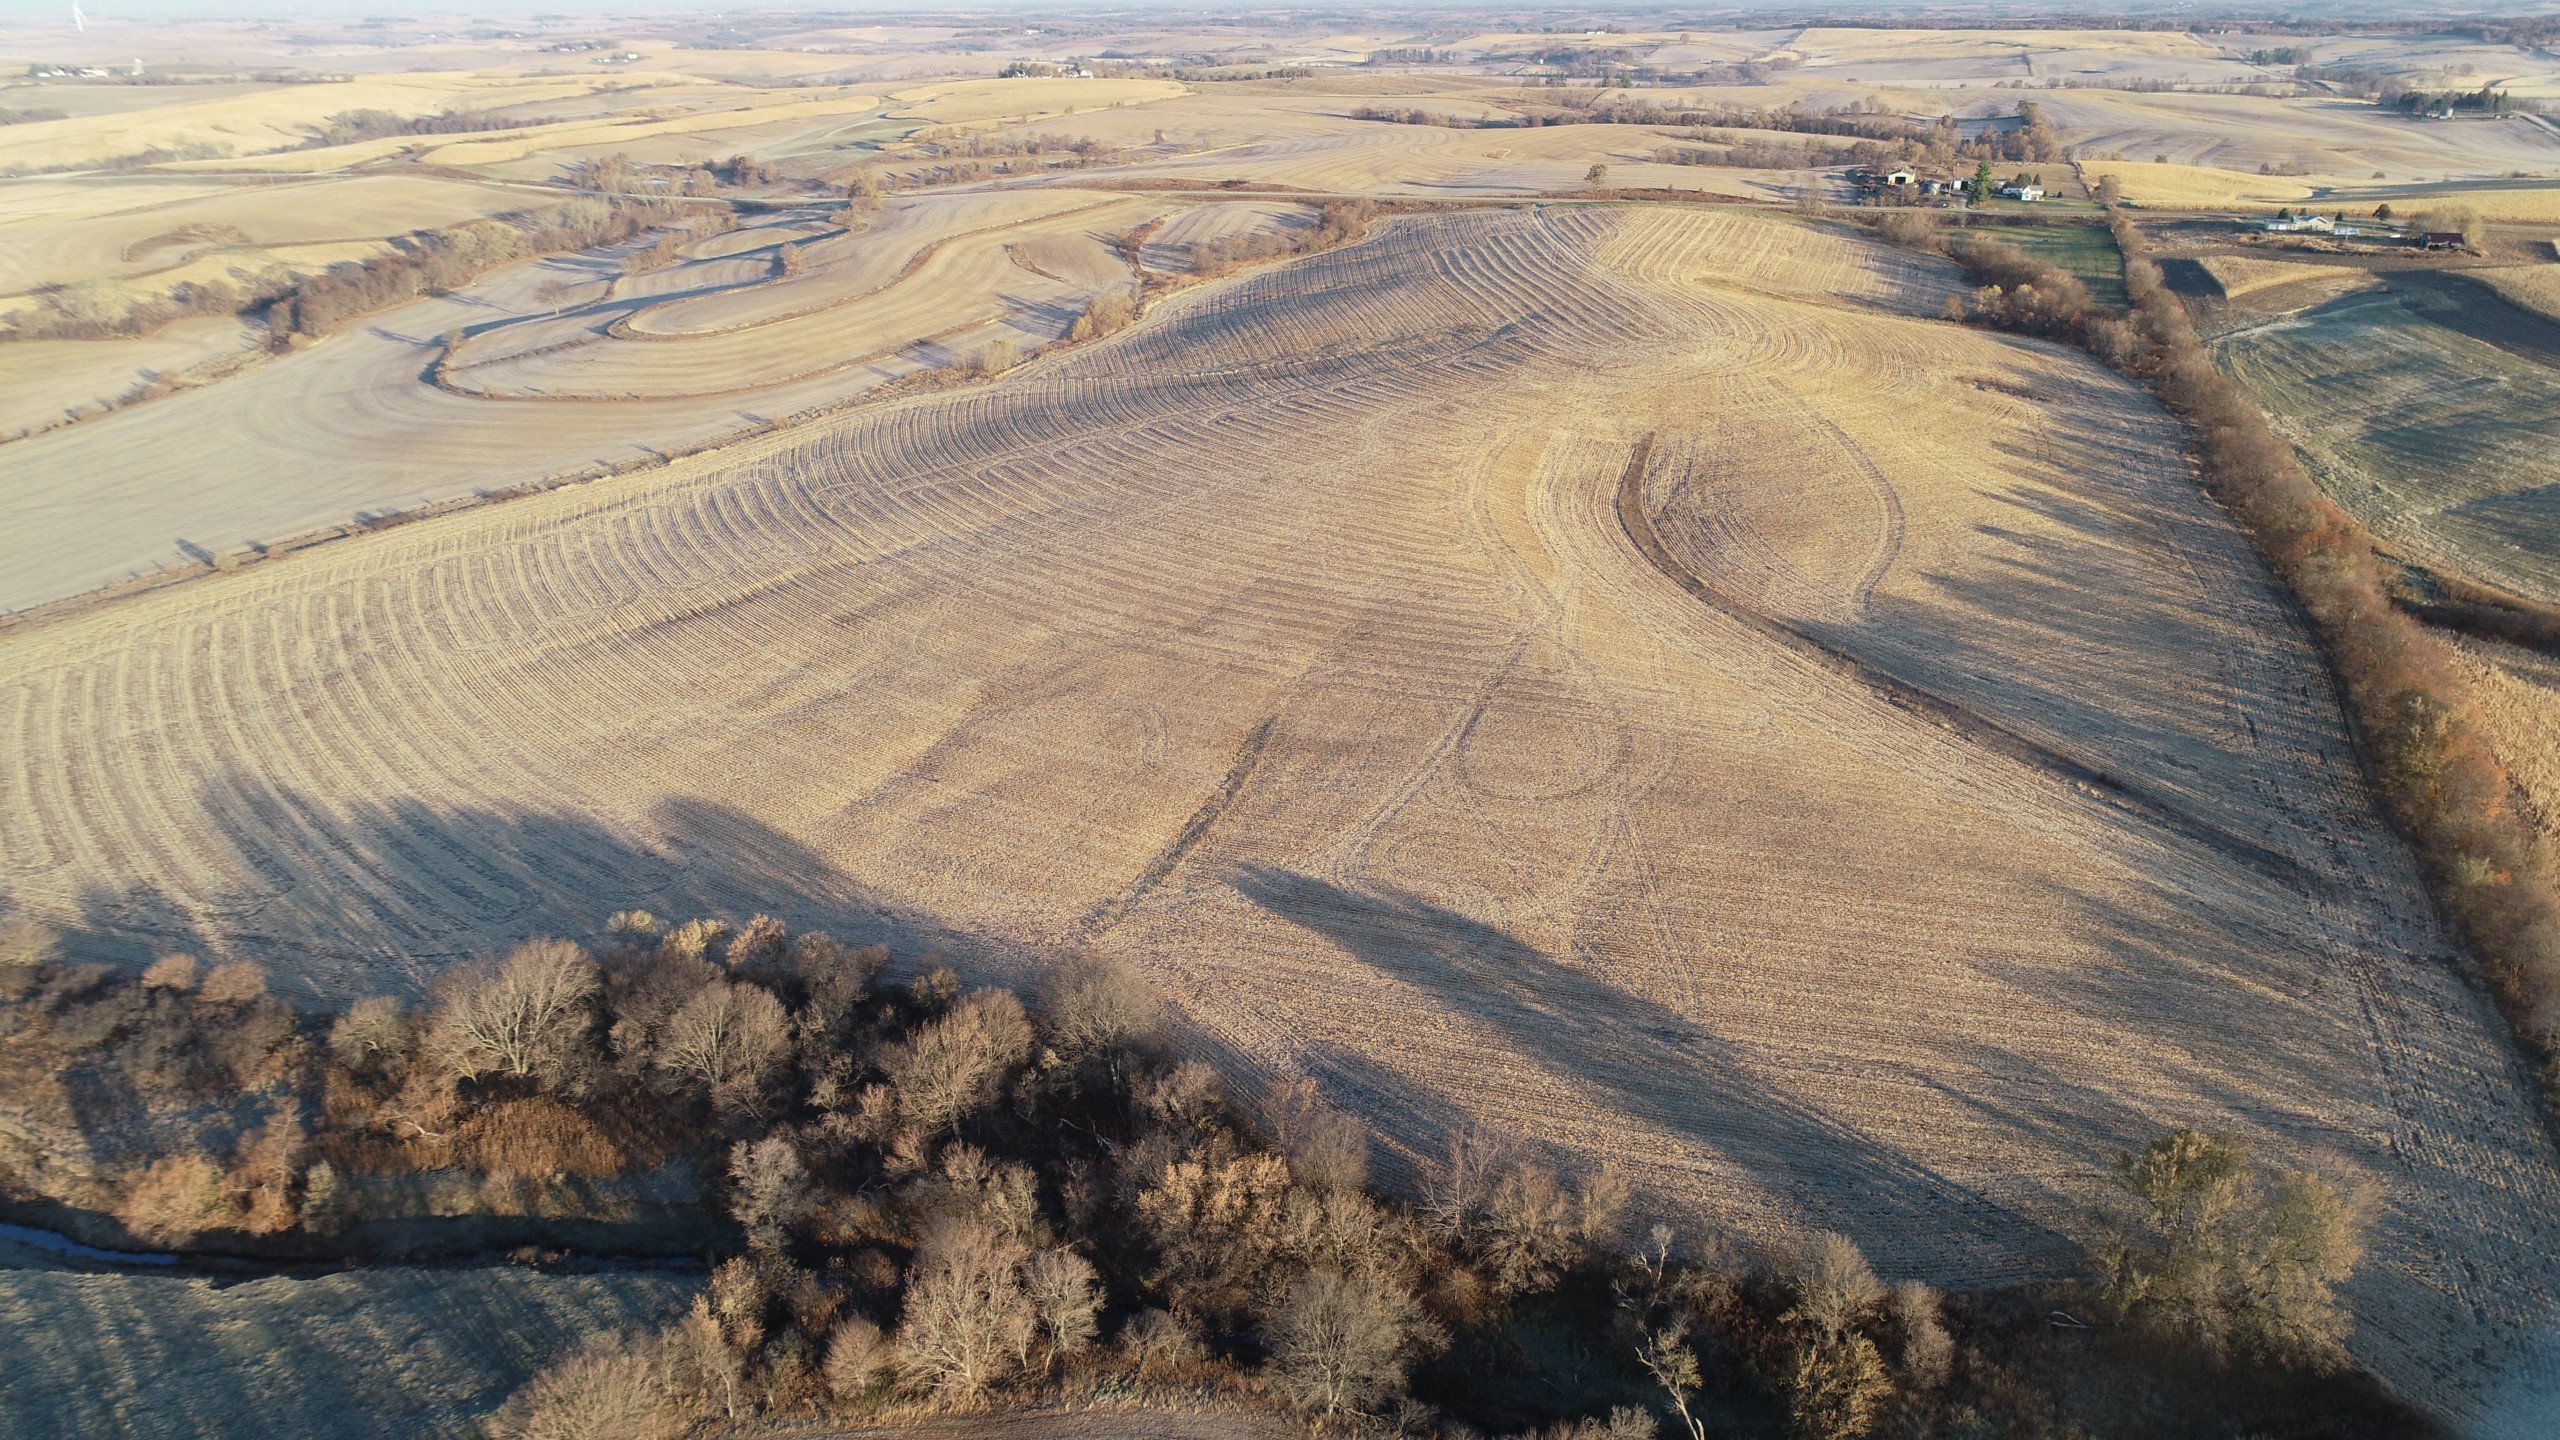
1942	800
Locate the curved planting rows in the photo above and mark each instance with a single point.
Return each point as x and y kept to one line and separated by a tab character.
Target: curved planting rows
1827	762
969	282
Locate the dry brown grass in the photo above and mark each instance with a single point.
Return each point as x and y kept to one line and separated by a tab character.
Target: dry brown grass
536	1138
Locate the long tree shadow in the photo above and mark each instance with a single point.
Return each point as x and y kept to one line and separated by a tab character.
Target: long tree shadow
341	902
1660	1068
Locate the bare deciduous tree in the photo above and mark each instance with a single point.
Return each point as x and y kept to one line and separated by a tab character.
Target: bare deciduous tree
1665	1355
770	1189
526	1016
1928	1352
1065	1297
859	1357
375	1032
239	982
967	1319
703	1364
1457	1191
1092	1004
1343	1341
834	982
952	1066
1155	1342
729	1042
1006	1196
1834	1285
1341	1228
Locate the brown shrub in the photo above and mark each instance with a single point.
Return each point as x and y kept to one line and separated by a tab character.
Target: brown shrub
761	941
172	972
266	1173
238	983
1913	229
2020	292
613	1390
1107	315
177	1199
1216	1225
1091	1004
2212	1246
1328	1151
1928	1352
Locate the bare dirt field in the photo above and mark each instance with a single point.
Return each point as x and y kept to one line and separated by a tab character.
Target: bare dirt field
1545	626
356	1353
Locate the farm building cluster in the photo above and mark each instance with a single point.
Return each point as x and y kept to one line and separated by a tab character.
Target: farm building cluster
2380	230
1905	185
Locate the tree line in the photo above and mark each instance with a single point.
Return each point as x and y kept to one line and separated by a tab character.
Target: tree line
435	261
424	262
348	127
915	1193
2414	713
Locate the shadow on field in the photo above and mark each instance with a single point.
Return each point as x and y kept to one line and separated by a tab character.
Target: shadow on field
1651	1064
402	890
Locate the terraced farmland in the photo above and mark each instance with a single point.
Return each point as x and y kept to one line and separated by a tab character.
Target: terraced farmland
991	278
2438	441
563	367
1527	667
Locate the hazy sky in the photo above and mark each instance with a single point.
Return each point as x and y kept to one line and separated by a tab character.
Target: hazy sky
22	13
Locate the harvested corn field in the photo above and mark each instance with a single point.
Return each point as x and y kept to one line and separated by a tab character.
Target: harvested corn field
2240	275
1541	626
2436	439
572	365
2517	694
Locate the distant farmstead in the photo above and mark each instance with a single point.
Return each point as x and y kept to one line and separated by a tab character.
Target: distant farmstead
2288	224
